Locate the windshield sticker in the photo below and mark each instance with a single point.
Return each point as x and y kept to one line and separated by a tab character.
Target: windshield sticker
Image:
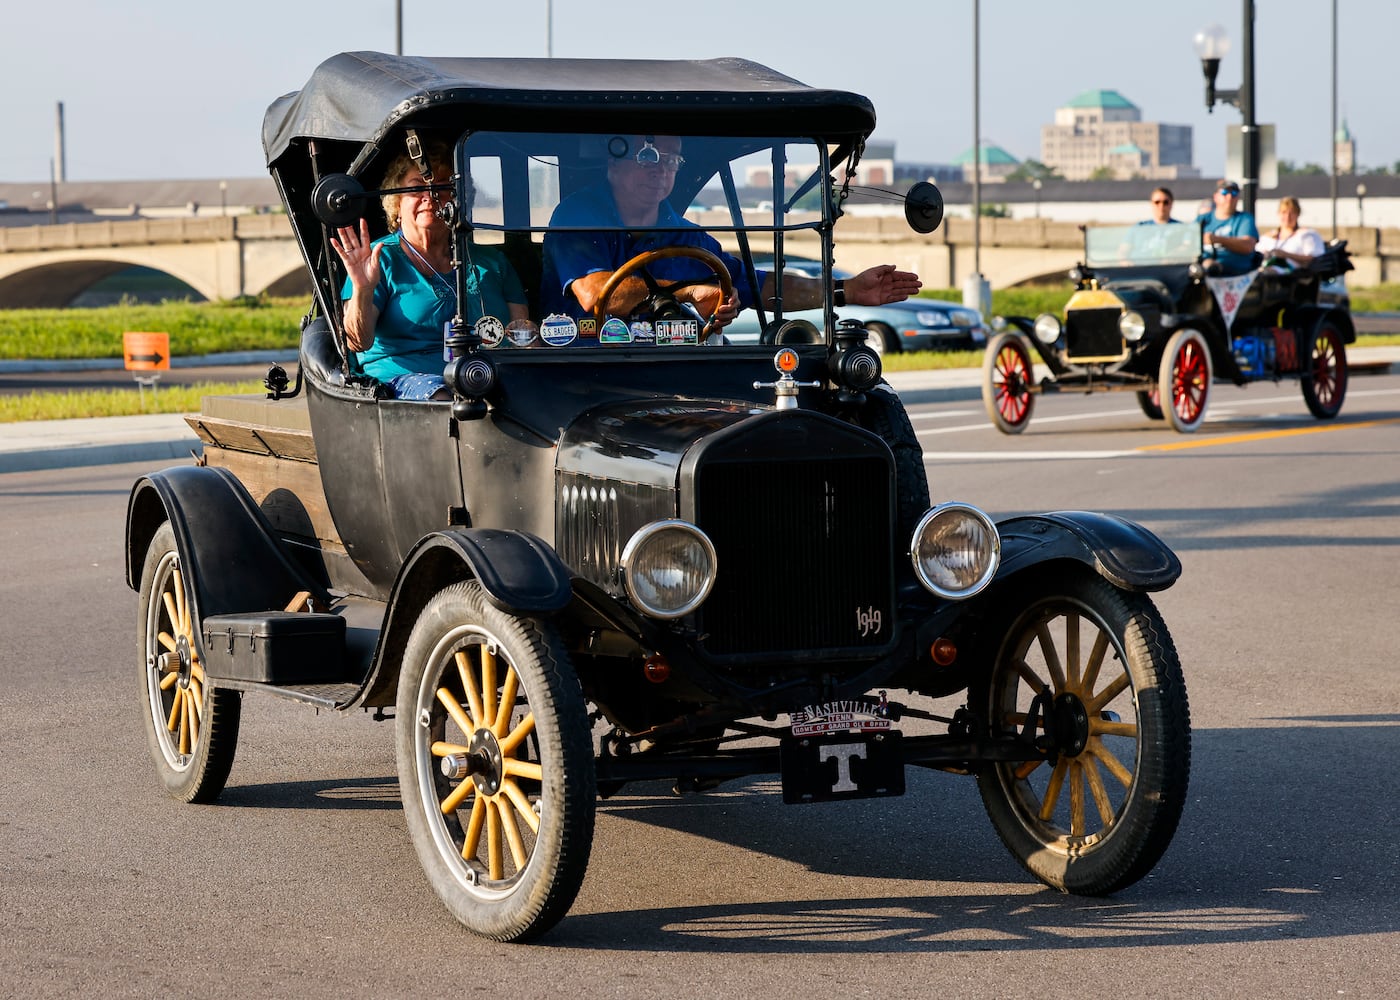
615	331
491	330
854	716
642	333
588	329
558	330
521	332
677	331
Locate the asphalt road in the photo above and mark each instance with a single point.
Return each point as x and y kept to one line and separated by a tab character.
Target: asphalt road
301	882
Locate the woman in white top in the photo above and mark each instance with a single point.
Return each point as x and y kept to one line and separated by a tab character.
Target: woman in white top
1295	245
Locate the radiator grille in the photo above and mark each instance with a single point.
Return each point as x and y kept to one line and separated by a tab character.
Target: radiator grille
804	549
1092	335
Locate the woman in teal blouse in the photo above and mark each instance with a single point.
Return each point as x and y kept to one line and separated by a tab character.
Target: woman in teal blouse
399	291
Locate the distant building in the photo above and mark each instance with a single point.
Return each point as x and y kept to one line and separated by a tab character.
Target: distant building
1102	131
876	168
996	163
1345	150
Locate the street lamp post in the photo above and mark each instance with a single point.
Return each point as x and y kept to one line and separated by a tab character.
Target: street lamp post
1036	185
1360	205
1211	45
223	197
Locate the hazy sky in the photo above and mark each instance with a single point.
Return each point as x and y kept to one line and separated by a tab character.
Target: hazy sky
164	89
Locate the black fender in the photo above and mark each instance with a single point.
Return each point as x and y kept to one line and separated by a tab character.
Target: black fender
231	555
1314	316
520	573
1123	552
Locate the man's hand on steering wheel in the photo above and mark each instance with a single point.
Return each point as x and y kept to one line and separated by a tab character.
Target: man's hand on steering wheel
717	304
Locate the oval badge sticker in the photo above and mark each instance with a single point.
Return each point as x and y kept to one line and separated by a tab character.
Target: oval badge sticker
558	330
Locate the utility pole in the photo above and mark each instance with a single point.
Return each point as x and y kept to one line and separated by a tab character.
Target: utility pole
398	27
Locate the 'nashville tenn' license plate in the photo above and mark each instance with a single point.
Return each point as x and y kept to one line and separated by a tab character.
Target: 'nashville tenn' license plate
844	766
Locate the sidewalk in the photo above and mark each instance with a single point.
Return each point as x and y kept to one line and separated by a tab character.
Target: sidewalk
165	437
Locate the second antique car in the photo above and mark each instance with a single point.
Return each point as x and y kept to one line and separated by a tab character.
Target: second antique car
627	549
1150	315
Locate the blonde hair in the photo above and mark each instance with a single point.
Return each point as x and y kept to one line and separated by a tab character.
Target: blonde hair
439	162
1288	201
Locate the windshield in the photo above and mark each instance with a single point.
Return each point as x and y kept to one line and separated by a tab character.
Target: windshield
1141	245
674	216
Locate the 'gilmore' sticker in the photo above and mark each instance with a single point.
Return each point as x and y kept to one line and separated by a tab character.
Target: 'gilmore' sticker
558	330
677	331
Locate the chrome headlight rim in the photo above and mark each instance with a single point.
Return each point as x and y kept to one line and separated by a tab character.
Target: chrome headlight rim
991	557
1048	328
1132	325
630	569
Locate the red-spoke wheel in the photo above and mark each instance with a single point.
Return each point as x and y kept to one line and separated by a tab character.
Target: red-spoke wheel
1007	378
1183	382
1325	372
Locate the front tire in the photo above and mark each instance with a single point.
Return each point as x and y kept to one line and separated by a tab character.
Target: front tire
1324	380
191	725
495	763
1102	815
1007	377
1183	382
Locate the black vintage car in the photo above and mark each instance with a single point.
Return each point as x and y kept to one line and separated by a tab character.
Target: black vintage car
1151	315
639	555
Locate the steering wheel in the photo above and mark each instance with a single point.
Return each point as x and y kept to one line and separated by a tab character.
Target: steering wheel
640	263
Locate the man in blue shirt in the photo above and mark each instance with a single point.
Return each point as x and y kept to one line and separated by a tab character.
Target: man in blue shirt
633	203
1228	234
1162	200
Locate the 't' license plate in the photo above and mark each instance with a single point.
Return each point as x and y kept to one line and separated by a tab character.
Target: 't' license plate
841	766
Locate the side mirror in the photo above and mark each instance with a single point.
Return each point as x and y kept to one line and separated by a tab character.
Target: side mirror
336	200
923	207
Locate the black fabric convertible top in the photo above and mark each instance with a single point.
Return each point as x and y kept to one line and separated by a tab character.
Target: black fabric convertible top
360	96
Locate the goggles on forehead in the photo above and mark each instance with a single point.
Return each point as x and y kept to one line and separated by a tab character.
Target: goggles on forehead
650	156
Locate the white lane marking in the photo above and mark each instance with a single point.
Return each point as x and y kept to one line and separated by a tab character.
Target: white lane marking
942	414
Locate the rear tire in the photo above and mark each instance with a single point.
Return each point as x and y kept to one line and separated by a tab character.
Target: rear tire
1151	402
1007	378
191	725
1324	380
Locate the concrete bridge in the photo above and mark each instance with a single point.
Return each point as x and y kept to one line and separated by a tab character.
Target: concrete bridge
225	257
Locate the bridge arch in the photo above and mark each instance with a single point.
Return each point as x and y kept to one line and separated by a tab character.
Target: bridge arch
59	276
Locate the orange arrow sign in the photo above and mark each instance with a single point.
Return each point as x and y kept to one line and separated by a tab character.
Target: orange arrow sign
146	351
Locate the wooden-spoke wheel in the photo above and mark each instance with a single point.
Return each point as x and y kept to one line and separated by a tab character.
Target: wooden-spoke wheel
191	726
495	765
1324	380
1007	378
1183	382
1092	672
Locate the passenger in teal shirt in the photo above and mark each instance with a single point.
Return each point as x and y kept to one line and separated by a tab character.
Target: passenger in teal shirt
400	293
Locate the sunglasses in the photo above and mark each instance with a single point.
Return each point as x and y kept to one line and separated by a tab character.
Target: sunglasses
1161	201
1233	192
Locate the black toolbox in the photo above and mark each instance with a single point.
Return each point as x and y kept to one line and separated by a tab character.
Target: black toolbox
275	647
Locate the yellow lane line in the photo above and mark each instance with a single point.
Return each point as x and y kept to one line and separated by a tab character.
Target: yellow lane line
1266	435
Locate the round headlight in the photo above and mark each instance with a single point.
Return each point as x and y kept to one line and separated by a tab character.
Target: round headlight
668	568
1047	328
955	550
1132	326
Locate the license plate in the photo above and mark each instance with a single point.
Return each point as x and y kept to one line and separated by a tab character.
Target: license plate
841	766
